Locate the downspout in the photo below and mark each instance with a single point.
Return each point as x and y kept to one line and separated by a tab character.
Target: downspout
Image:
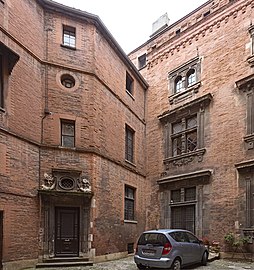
46	112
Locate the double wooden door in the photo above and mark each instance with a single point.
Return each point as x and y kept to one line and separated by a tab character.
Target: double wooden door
66	231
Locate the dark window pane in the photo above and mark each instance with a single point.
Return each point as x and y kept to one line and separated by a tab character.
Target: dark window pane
190	194
129	203
175	196
129	144
142	61
129	83
68	133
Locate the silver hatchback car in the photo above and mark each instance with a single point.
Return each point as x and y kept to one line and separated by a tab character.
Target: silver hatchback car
169	249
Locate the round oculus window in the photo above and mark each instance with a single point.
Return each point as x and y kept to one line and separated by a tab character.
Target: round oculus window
67	81
66	183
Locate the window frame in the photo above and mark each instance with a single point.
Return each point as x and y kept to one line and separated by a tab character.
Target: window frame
183	135
183	71
129	201
142	61
70	35
63	136
129	84
129	144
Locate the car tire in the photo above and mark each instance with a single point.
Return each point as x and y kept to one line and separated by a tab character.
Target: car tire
176	265
140	266
204	258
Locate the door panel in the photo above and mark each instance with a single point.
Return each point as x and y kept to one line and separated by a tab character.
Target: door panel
67	232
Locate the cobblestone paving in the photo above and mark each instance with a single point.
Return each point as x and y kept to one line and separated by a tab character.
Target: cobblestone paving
128	264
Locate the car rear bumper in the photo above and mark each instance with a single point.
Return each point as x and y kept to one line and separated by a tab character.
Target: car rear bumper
158	263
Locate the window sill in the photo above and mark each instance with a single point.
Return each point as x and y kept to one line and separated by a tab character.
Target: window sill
130	94
68	47
130	163
130	221
2	110
187	93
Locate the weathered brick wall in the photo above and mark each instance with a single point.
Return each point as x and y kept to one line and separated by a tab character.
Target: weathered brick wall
222	41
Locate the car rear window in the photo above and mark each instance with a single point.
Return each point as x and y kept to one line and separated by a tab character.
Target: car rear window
155	239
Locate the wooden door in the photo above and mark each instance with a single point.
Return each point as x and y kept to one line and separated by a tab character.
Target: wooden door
66	232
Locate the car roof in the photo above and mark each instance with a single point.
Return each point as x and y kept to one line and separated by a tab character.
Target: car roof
165	231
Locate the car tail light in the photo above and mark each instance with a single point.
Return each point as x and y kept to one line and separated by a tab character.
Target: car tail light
136	251
166	249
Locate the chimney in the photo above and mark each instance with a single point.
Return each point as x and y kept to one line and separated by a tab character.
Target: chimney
160	24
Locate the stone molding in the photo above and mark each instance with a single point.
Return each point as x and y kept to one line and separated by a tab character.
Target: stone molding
208	28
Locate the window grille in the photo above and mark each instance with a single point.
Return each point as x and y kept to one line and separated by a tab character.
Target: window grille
129	203
69	36
68	133
129	144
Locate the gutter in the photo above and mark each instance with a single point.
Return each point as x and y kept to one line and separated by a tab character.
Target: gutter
94	19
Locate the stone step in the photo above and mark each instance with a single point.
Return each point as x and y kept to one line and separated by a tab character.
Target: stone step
59	262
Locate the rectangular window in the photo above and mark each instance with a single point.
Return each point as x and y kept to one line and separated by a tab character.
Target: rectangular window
142	61
184	136
129	144
69	36
129	83
129	203
1	83
68	133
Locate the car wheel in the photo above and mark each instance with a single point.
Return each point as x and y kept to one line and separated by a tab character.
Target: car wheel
140	266
176	265
204	258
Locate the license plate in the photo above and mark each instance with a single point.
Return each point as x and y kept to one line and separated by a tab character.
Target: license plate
148	252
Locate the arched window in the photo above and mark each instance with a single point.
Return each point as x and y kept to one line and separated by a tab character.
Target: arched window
179	84
191	77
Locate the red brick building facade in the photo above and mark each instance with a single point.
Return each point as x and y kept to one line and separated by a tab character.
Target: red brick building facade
200	152
72	137
93	150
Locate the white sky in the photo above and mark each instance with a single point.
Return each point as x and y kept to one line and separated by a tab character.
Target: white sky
130	21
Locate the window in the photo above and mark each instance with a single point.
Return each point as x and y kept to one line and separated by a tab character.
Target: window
184	131
69	36
129	144
191	77
68	133
142	61
129	203
184	78
129	83
246	87
67	81
179	85
8	60
178	31
207	13
1	83
184	136
183	216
